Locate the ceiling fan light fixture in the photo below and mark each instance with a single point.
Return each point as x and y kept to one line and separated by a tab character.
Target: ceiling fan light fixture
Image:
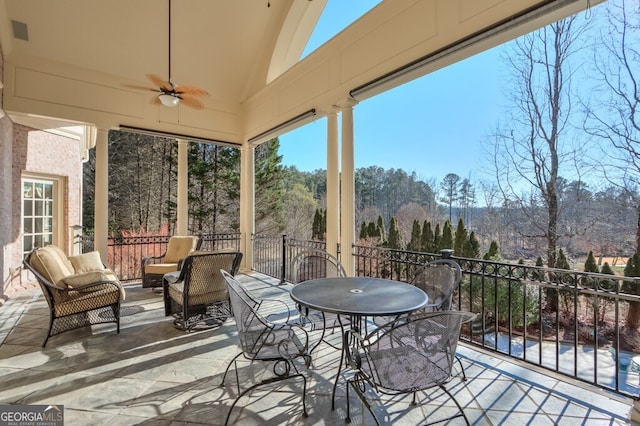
169	100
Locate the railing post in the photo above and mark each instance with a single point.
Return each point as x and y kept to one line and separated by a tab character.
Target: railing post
284	259
446	253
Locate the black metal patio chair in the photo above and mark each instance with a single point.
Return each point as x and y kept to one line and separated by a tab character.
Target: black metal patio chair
406	357
263	340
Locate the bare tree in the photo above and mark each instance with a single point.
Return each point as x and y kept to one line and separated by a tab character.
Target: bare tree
530	154
615	116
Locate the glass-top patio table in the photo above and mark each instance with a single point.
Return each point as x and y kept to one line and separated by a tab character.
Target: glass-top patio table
357	298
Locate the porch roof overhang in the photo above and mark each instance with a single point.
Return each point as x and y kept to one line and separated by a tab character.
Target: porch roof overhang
71	61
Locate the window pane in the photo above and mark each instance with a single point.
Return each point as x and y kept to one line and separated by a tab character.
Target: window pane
37	240
48	191
47	224
47	239
38	210
39	190
38	224
28	208
28	242
48	208
28	190
28	225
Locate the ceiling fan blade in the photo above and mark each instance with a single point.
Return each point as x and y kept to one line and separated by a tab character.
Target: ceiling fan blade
136	87
184	90
155	101
158	81
191	103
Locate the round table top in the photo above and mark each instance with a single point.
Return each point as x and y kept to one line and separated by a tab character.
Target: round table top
363	296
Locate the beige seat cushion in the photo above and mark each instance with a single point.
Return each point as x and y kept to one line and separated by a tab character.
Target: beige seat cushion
179	247
160	268
176	293
91	277
52	263
87	262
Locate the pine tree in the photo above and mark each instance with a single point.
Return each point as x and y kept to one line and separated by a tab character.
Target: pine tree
270	215
539	261
461	238
590	264
426	243
395	237
447	236
372	231
416	234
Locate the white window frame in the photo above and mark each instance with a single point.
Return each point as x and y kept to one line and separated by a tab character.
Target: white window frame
57	210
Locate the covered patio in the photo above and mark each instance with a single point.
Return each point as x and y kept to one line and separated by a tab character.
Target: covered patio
152	373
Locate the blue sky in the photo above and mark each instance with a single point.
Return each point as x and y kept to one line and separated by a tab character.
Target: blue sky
444	115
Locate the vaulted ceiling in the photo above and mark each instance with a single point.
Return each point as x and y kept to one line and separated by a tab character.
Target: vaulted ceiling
74	61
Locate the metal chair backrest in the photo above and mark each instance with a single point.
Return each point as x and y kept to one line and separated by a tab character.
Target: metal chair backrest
315	263
413	355
439	279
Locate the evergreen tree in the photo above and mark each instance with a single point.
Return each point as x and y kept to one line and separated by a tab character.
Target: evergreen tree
447	236
426	243
372	231
606	269
395	237
363	231
381	230
493	253
316	228
436	238
632	269
539	261
590	264
416	235
269	177
562	262
461	238
472	247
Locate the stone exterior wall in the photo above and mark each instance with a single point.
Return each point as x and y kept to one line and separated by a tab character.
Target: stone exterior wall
48	156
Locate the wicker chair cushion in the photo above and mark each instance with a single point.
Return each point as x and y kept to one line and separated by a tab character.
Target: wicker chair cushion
179	247
78	301
52	263
87	262
160	268
204	298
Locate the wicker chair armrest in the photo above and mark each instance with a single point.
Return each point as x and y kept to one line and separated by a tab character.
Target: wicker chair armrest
151	259
86	287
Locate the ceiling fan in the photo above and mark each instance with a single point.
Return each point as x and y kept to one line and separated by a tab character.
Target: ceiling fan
171	94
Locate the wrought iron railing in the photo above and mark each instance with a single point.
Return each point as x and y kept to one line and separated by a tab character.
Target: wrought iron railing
125	254
273	255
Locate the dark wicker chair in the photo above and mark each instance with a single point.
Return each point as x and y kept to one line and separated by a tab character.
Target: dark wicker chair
263	340
75	307
198	296
406	357
309	265
178	248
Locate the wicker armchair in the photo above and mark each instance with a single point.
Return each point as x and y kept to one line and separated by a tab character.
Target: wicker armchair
178	247
308	265
406	357
198	296
77	295
263	340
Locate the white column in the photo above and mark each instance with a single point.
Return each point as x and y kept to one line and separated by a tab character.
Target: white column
247	205
182	211
333	184
101	202
347	193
